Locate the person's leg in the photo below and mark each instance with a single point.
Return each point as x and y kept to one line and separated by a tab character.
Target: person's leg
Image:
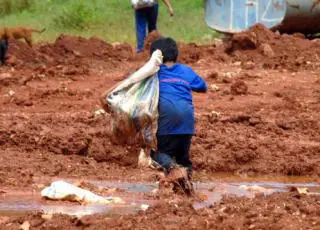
152	17
3	50
141	27
169	147
182	158
182	155
166	149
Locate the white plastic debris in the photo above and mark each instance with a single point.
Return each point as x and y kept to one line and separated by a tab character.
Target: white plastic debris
99	112
301	191
11	93
46	216
25	225
255	188
214	87
155	191
144	159
144	207
61	190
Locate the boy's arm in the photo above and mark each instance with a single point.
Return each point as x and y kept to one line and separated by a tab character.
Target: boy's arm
198	84
168	4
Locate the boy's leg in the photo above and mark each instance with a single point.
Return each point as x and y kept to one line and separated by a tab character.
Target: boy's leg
141	28
152	17
165	152
182	155
182	158
168	147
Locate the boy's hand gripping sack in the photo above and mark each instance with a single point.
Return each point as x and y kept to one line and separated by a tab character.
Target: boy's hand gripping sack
133	105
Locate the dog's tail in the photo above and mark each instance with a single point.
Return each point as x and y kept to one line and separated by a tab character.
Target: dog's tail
39	31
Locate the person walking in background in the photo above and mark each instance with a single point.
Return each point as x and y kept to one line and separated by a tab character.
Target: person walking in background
146	16
3	50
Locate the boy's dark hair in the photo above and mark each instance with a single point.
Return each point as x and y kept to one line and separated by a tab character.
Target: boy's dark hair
168	47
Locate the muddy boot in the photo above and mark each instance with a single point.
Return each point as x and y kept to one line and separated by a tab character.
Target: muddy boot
180	179
188	184
176	173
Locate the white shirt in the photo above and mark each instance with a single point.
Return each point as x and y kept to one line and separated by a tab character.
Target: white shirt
138	4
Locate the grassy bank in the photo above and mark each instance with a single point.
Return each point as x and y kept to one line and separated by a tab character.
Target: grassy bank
112	20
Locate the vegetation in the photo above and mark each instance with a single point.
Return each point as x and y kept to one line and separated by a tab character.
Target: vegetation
112	20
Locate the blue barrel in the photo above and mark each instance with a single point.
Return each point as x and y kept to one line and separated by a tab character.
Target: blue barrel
290	16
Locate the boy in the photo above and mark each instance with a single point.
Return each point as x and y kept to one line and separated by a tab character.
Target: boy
176	111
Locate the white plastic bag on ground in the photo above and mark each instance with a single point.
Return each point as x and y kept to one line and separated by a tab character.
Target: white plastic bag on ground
133	104
61	190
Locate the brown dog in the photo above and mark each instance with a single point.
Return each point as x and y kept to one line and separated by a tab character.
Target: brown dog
19	33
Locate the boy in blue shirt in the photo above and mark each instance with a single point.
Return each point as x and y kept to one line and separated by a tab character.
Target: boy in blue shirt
176	111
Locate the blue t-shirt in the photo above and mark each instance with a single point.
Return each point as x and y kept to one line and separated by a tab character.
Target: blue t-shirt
176	112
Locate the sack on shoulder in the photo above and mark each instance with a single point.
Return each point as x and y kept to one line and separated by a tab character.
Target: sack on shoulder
133	105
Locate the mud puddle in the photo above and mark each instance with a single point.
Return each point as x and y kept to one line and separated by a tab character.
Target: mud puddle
18	203
215	191
21	207
12	205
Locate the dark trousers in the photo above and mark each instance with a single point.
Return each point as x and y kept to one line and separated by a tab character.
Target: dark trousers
173	149
145	17
3	50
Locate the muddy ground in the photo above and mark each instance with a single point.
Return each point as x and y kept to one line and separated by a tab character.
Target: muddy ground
277	211
259	118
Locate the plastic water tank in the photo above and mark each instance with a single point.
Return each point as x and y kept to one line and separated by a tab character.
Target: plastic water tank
290	16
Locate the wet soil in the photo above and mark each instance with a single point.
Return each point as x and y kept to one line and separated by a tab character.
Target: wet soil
141	200
261	119
15	202
276	211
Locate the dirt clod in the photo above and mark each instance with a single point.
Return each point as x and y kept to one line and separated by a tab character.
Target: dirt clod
267	50
239	88
153	36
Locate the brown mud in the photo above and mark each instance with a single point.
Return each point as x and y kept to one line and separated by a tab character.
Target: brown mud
276	211
16	207
274	51
262	119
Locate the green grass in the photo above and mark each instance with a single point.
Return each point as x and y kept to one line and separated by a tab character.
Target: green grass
113	20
